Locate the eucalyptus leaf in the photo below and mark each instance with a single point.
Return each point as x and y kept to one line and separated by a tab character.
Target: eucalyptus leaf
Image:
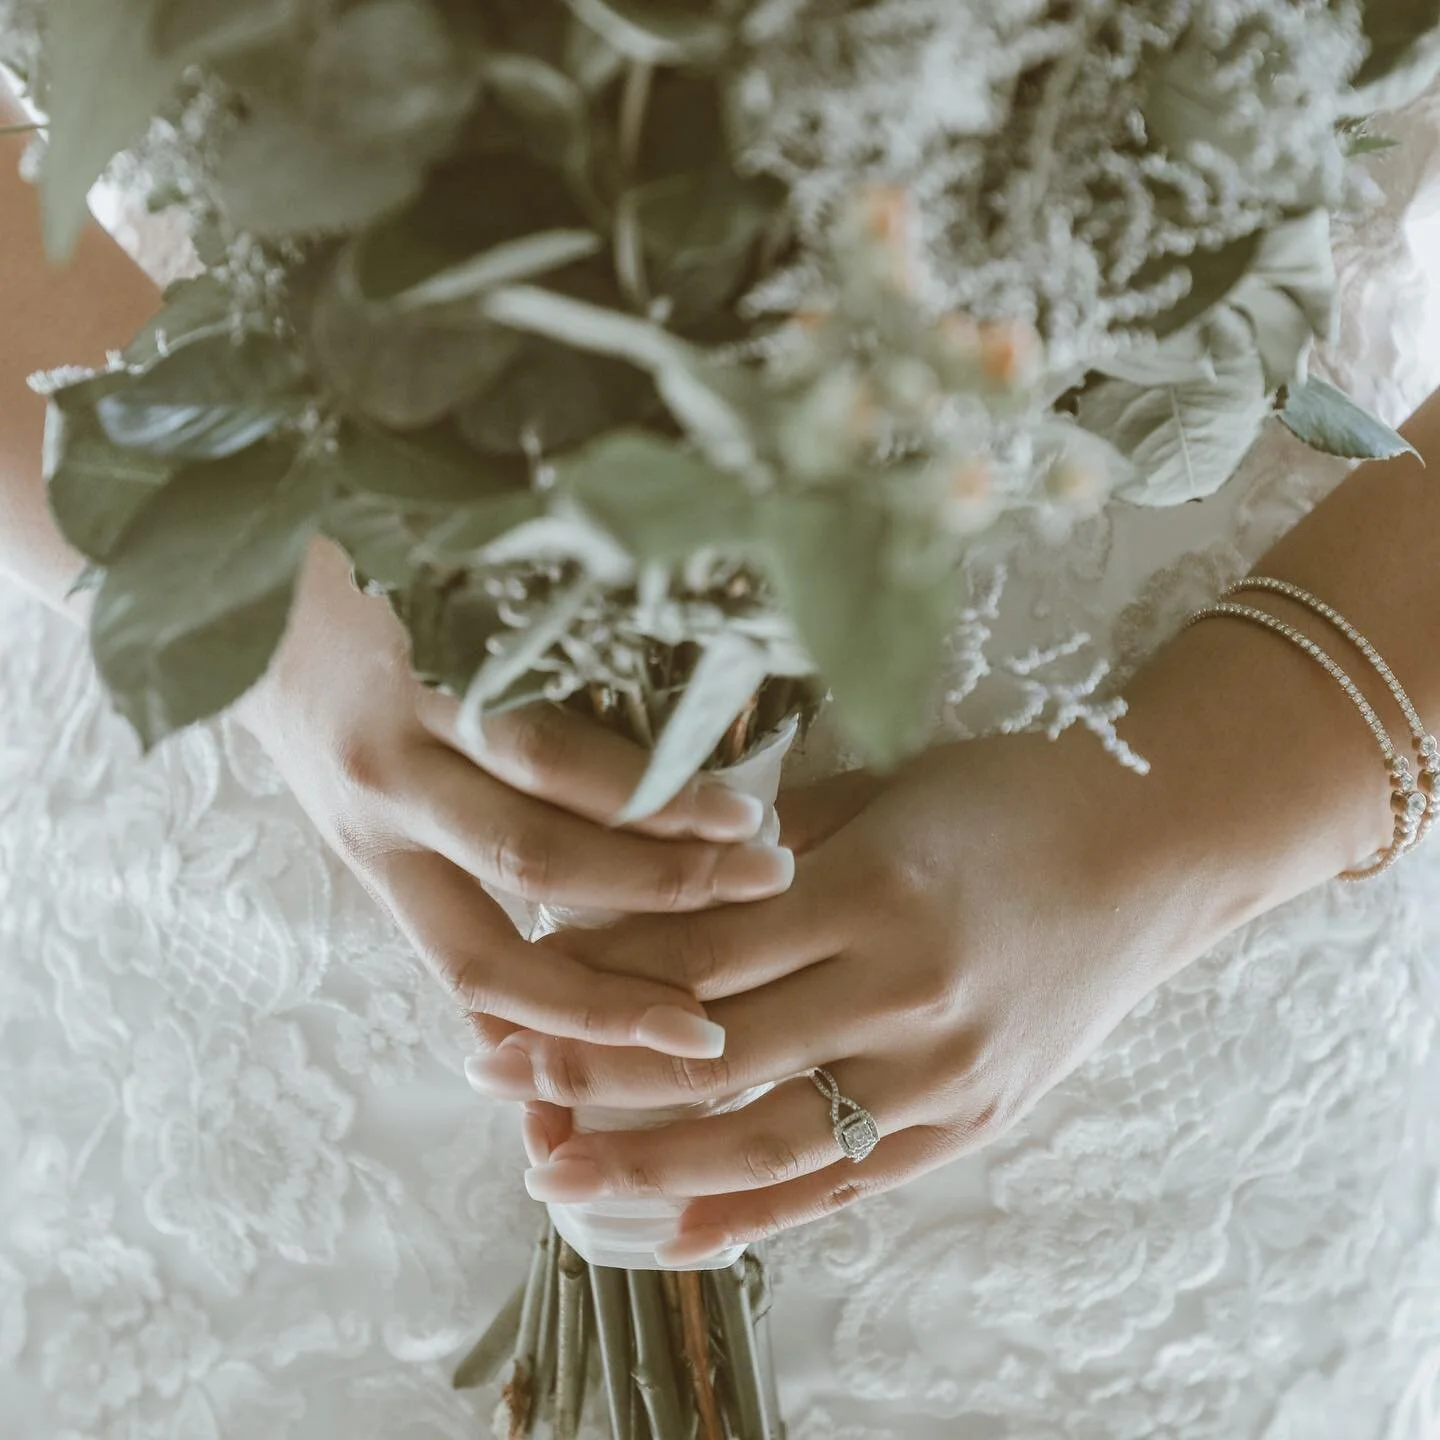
717	406
1184	356
1360	146
1213	274
1328	420
504	264
380	536
517	656
406	371
388	70
202	29
1185	440
193	309
1289	296
195	600
552	397
700	232
587	327
657	499
105	84
724	681
876	633
431	467
207	400
95	488
654	33
279	178
547	109
463	534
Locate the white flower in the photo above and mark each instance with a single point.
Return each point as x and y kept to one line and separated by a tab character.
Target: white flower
176	1347
236	1142
91	1371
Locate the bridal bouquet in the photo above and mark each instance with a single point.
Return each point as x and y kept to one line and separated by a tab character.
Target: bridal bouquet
672	358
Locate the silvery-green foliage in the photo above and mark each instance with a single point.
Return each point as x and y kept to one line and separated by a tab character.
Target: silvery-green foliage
630	346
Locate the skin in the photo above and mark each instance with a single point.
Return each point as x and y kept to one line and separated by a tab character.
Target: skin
958	935
424	817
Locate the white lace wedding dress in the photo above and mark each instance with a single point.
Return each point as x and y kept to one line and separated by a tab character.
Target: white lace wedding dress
245	1191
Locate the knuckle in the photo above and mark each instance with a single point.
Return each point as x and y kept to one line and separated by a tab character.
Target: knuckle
897	878
684	876
702	1079
636	1177
930	993
697	957
360	765
566	1078
536	745
842	1193
466	980
522	864
770	1160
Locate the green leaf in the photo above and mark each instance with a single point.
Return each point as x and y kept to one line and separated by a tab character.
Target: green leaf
279	178
193	309
1328	420
207	400
460	538
1213	275
503	264
518	655
1185	439
546	109
1289	296
586	327
388	70
657	499
429	467
655	34
406	371
95	487
201	29
553	397
876	631
728	674
1363	145
195	599
105	83
700	232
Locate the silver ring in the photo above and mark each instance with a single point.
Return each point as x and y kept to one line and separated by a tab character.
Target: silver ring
856	1132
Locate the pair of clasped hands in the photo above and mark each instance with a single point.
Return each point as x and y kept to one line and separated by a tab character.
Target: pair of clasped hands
949	940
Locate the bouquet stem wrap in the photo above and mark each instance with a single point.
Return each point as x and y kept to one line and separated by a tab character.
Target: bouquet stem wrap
624	1233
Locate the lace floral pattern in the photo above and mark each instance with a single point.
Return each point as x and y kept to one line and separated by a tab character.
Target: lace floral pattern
244	1191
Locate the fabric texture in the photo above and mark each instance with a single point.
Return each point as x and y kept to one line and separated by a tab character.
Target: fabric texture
245	1191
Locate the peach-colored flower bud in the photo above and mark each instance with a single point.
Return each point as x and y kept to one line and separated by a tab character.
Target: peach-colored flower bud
1009	352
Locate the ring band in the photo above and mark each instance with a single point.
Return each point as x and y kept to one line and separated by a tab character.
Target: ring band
856	1132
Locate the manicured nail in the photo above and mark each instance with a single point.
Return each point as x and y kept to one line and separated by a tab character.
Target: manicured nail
673	1031
721	813
566	1182
535	1138
755	872
692	1246
505	1075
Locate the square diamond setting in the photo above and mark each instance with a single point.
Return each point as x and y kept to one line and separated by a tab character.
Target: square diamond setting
857	1135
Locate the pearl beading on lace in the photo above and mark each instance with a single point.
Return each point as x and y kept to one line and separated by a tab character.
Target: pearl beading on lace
1427	747
1406	799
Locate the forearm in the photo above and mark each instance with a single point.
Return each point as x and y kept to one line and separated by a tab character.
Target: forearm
51	317
1267	775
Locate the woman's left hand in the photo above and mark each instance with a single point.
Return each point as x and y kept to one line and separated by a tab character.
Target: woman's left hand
959	937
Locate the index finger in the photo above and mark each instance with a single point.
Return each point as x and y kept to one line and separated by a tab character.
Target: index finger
725	950
470	944
582	766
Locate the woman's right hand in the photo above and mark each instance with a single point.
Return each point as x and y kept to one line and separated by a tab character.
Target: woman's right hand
423	818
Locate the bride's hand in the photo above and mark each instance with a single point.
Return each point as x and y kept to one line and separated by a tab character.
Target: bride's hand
962	935
959	937
422	818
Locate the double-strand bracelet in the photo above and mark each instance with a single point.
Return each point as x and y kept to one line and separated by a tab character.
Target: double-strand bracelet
1424	743
1406	801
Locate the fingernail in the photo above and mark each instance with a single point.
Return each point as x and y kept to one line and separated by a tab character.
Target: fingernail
753	872
721	813
692	1246
505	1075
566	1182
535	1138
674	1031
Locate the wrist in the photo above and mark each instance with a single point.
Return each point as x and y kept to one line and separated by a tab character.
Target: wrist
1265	780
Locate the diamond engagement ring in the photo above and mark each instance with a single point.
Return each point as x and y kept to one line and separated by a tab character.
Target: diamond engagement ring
856	1132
